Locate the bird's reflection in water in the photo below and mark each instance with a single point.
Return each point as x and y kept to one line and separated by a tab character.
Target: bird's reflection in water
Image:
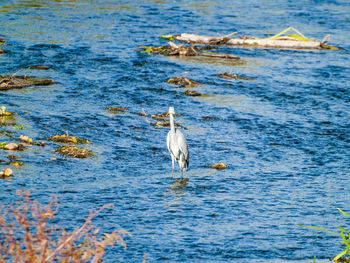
179	183
177	193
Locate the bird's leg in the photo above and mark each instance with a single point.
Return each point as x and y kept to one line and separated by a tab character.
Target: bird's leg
182	175
172	165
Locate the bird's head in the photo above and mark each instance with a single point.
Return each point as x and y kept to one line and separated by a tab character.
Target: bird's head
171	111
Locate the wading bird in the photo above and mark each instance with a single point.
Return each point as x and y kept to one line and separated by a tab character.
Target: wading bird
177	145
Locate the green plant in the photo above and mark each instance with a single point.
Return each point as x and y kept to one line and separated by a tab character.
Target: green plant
27	235
342	232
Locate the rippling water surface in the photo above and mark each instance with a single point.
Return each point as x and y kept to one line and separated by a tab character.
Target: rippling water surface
284	135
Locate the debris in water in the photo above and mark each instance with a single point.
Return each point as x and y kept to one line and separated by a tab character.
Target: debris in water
115	110
17	82
158	117
141	114
234	76
219	166
207	118
162	122
75	152
42	67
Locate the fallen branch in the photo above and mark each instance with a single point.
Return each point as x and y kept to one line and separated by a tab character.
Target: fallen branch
296	41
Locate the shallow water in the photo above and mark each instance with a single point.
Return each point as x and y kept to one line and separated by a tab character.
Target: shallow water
284	135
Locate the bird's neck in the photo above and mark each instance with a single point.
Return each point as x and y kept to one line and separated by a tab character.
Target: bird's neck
172	126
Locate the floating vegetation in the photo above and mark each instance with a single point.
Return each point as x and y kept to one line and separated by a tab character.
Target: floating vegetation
183	82
116	110
15	163
6	173
15	126
75	152
219	166
6	133
41	67
17	82
207	118
12	157
158	117
162	122
192	93
141	114
69	139
182	50
171	50
4	113
227	75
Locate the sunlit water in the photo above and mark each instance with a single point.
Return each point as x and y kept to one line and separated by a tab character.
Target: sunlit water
284	135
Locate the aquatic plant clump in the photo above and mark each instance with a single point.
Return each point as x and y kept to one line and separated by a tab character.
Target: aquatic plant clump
69	139
29	235
75	152
182	50
171	50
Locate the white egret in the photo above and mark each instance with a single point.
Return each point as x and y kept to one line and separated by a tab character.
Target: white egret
177	145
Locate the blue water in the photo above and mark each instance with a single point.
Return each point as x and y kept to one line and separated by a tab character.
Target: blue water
285	135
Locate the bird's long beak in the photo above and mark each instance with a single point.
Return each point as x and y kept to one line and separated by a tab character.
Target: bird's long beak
167	114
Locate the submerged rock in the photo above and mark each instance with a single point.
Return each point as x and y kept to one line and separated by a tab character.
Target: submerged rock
13	146
6	173
192	93
233	76
183	82
219	166
17	82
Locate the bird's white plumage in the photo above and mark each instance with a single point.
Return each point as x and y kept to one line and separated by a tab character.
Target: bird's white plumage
177	145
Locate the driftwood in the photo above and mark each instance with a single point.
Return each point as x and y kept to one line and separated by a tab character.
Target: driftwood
298	41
